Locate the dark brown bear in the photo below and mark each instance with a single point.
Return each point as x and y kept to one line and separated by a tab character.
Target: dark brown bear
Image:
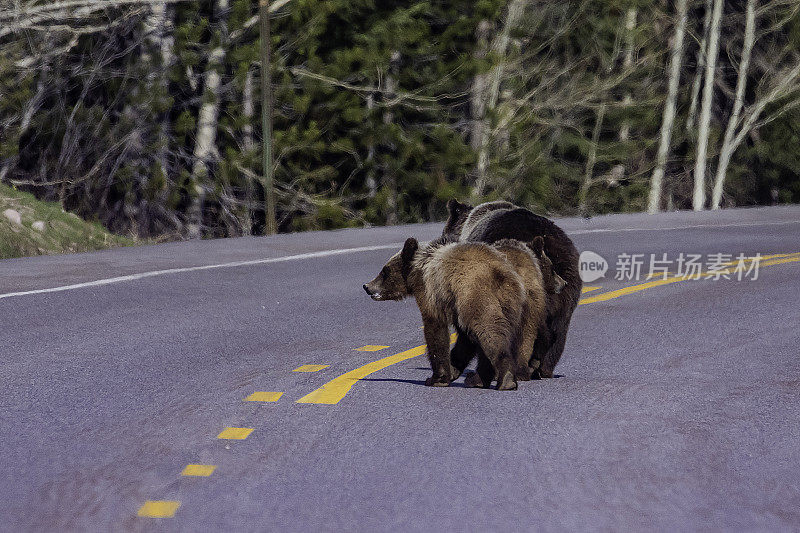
501	220
494	294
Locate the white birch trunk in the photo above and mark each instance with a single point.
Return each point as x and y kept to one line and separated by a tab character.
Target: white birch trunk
159	37
389	176
627	63
741	84
249	145
248	109
372	184
206	137
499	46
590	160
204	146
478	89
669	108
699	194
701	64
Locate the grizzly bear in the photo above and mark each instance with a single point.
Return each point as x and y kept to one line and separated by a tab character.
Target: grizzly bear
493	294
502	220
536	272
463	217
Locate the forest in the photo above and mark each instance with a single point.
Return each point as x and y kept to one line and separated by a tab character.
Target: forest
146	115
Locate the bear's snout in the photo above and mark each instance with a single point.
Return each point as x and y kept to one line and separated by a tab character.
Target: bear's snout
373	291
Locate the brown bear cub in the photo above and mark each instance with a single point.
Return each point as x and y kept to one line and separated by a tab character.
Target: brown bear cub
494	221
537	276
492	294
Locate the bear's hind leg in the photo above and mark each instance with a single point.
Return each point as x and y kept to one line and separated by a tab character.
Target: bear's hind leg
483	375
494	335
502	364
523	346
553	355
542	345
462	353
437	337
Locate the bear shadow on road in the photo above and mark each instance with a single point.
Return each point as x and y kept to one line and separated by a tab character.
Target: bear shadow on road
411	381
555	376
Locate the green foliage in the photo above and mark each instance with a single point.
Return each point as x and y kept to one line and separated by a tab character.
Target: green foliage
374	118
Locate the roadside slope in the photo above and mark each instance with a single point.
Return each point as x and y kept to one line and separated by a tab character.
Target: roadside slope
59	232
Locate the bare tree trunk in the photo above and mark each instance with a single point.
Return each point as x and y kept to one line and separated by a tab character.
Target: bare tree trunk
160	28
701	63
741	84
205	140
372	183
500	47
590	160
204	146
249	145
265	52
478	99
389	174
627	63
699	195
155	26
669	108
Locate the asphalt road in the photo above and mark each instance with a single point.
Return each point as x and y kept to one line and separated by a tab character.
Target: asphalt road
678	405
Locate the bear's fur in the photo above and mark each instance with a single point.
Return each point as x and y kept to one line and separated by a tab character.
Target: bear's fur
457	214
501	222
492	294
462	218
536	272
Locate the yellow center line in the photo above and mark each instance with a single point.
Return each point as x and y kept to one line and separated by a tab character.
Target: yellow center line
310	368
235	433
198	470
159	508
336	389
264	396
371	348
590	289
610	295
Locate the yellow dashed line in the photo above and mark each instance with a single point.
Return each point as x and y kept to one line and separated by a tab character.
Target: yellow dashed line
263	396
235	433
310	368
198	470
335	390
159	508
371	348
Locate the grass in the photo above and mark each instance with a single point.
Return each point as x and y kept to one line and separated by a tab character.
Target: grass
63	233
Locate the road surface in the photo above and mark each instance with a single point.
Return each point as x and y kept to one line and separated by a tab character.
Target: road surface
678	405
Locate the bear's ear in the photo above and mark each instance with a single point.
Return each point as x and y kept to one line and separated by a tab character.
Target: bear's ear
538	245
407	255
456	208
409	249
452	208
